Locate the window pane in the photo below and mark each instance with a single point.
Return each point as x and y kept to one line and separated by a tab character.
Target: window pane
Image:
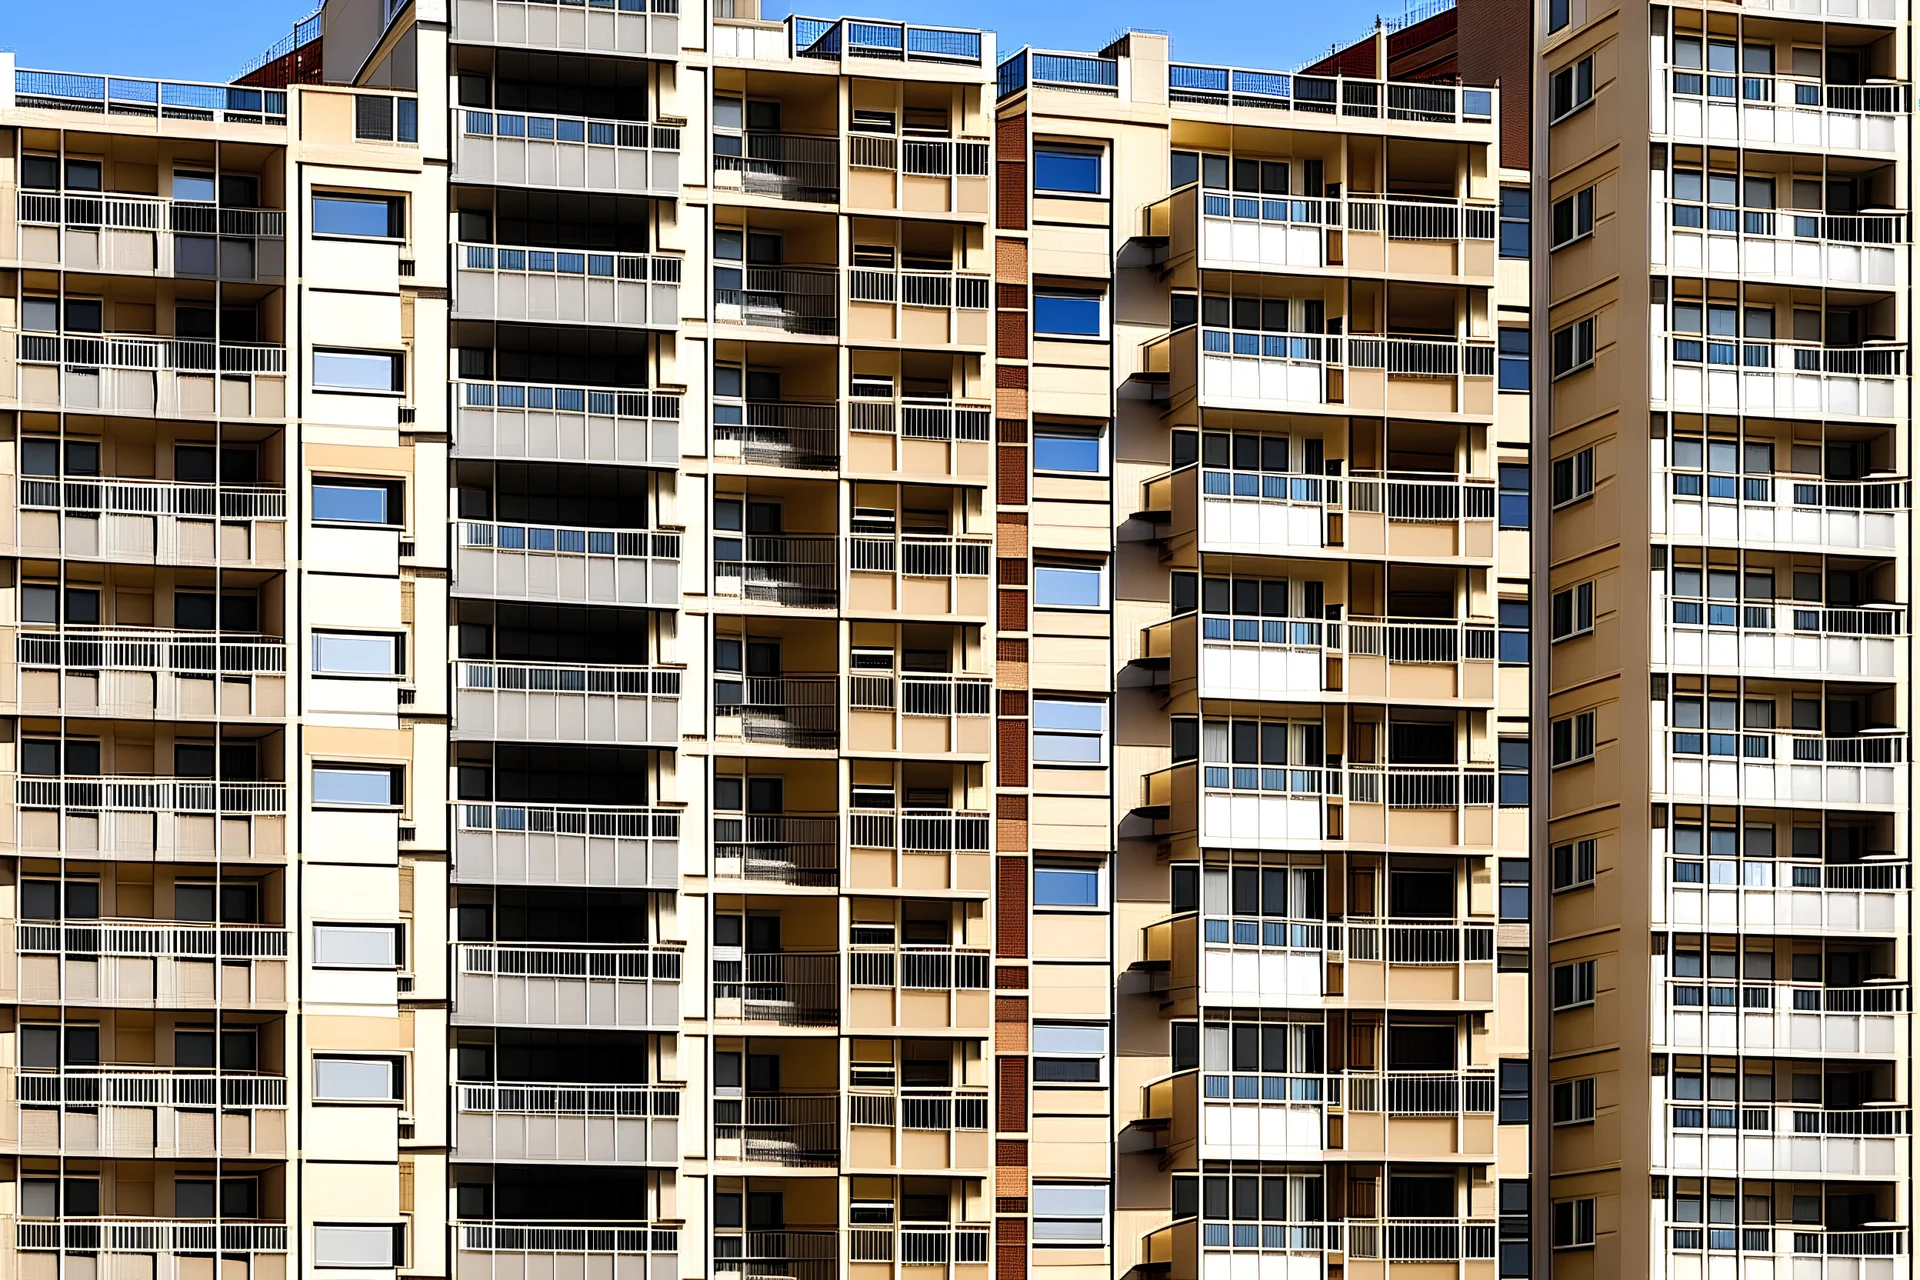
1070	314
352	786
1066	169
354	370
355	655
1066	887
197	187
353	945
1066	1037
1077	452
356	503
353	1078
1058	713
353	1246
352	216
1069	1200
1072	588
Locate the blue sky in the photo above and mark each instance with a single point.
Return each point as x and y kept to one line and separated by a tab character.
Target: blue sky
211	39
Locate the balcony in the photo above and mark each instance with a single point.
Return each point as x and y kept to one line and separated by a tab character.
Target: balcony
1288	659
512	422
133	376
514	1250
1736	1139
140	964
1398	235
1778	111
778	988
801	851
1257	372
1781	379
151	1113
560	286
921	714
917	175
543	564
931	850
917	1131
641	28
1310	964
581	846
794	167
525	702
1860	249
1782	640
1435	805
793	712
914	989
566	153
1190	1249
919	308
1849	10
150	674
1780	768
162	1248
787	436
785	1130
563	1123
1809	1253
921	440
1766	1018
1783	512
780	1252
564	985
925	575
1300	809
185	100
786	570
1269	513
154	522
1762	895
797	300
141	235
962	1247
151	819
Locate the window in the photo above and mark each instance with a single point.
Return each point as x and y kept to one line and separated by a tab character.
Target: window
1069	1053
1574	865
1058	167
1515	1107
377	371
1573	984
1069	450
1069	585
356	946
1573	347
1515	619
1059	313
1059	883
1069	1213
356	786
1516	888
1516	222
335	654
1573	739
355	501
1573	218
1573	478
357	1080
380	118
195	188
1559	14
1572	612
363	217
1516	1233
1516	772
1516	497
1573	1101
1516	359
339	1244
1573	1224
1069	731
1569	89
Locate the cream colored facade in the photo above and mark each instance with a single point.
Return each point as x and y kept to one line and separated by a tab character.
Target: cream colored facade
1725	981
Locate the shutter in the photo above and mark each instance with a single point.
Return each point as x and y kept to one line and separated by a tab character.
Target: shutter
1010	918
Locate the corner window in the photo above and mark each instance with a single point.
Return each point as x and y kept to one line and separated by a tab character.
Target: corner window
361	217
1569	89
1069	731
1070	170
341	654
356	501
348	786
1069	584
1573	218
356	946
1076	451
1069	1053
1573	347
1059	313
376	371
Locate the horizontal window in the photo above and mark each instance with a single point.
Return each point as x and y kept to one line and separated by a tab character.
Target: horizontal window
357	371
1066	884
1573	218
1069	1213
356	501
1068	315
357	1079
1069	1053
1069	586
1575	865
1073	170
1069	731
335	654
1572	612
1068	451
1573	347
1573	984
369	217
1572	741
358	1244
347	785
356	946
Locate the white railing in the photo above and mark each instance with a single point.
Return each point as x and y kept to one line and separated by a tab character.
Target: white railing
178	355
1860	249
1766	895
115	1086
1783	510
639	268
1725	1015
599	821
149	1235
921	419
1788	1243
527	677
918	694
775	433
919	157
1731	109
919	830
967	291
1403	786
566	960
116	212
1422	1093
920	555
637	544
1774	766
1780	639
920	968
937	1110
1415	942
1416	218
133	793
1437	1240
1406	640
178	652
131	938
635	1100
156	498
1762	376
923	1244
548	1238
625	134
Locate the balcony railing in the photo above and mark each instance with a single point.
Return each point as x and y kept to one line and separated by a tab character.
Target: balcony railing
794	571
140	938
1733	1138
566	984
766	433
963	290
1778	766
134	793
504	283
934	1110
567	703
919	830
1784	639
1422	1093
178	355
1783	510
796	1131
565	424
789	711
1789	1243
1354	98
803	300
156	99
787	988
920	555
624	134
784	166
1857	249
1731	109
544	562
920	1243
1767	895
136	1086
777	849
181	652
567	960
1415	942
1759	1017
546	1239
849	39
791	1254
1780	377
918	157
921	419
117	212
149	1235
658	1100
1421	1241
592	845
915	694
922	968
1403	786
1407	640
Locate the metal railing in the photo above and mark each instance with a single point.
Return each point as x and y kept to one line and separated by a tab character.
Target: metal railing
1436	501
919	830
157	99
659	963
156	498
921	419
776	848
836	39
629	134
639	544
770	433
1797	997
1417	218
528	677
919	1243
571	820
788	988
179	652
1888	360
566	1237
661	1101
919	157
763	1255
1419	942
1421	357
1784	747
788	711
1422	1093
594	401
140	938
791	299
1787	1120
1409	786
936	1110
919	694
142	794
1329	95
149	1235
793	570
115	1086
791	1130
1789	224
641	268
1815	1243
920	968
174	355
1399	640
968	292
786	166
1421	1241
118	212
920	555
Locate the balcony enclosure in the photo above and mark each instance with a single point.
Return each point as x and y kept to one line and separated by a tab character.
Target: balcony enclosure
774	822
564	958
776	1102
561	258
1776	995
918	825
917	966
564	1096
1771	349
1781	740
774	406
628	29
775	137
774	543
565	815
1778	871
1840	1119
564	673
509	1218
1781	614
917	1104
920	284
159	1209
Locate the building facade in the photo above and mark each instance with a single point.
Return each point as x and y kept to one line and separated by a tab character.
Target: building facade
656	643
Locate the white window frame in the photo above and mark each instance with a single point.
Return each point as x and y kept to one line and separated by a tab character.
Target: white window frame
1581	737
397	362
1097	868
1096	569
1096	434
1048	1219
1578	1096
1579	598
1582	984
1078	148
1581	346
391	931
396	649
395	1094
1572	75
1100	1057
1583	863
1038	731
1578	470
329	766
1577	1218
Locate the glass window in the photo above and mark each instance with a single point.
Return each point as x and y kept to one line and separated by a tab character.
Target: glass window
356	1079
195	187
1068	315
1516	360
40	173
1069	450
1069	1214
1515	642
1516	502
345	785
1069	1053
355	655
1066	884
40	315
369	217
1069	731
1074	170
355	502
356	1245
1559	14
356	946
356	371
1515	888
1516	226
1069	586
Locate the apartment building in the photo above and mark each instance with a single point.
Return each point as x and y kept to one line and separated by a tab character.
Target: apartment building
1726	966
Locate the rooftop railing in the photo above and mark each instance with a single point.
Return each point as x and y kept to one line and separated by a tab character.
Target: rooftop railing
836	39
156	99
1329	95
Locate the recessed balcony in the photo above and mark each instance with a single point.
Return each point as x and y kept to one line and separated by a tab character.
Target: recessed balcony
143	964
117	233
917	175
1768	377
151	818
1783	511
915	989
1783	639
796	849
795	712
961	1247
919	713
1400	235
1811	248
511	1250
1693	1252
1288	659
917	1130
565	153
639	28
1727	108
786	570
544	1123
565	286
786	435
788	988
785	1130
1278	372
928	850
153	521
164	1248
1760	1017
633	988
147	673
138	376
918	440
586	846
546	564
920	308
1763	1140
568	703
1774	767
923	575
151	1113
795	167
